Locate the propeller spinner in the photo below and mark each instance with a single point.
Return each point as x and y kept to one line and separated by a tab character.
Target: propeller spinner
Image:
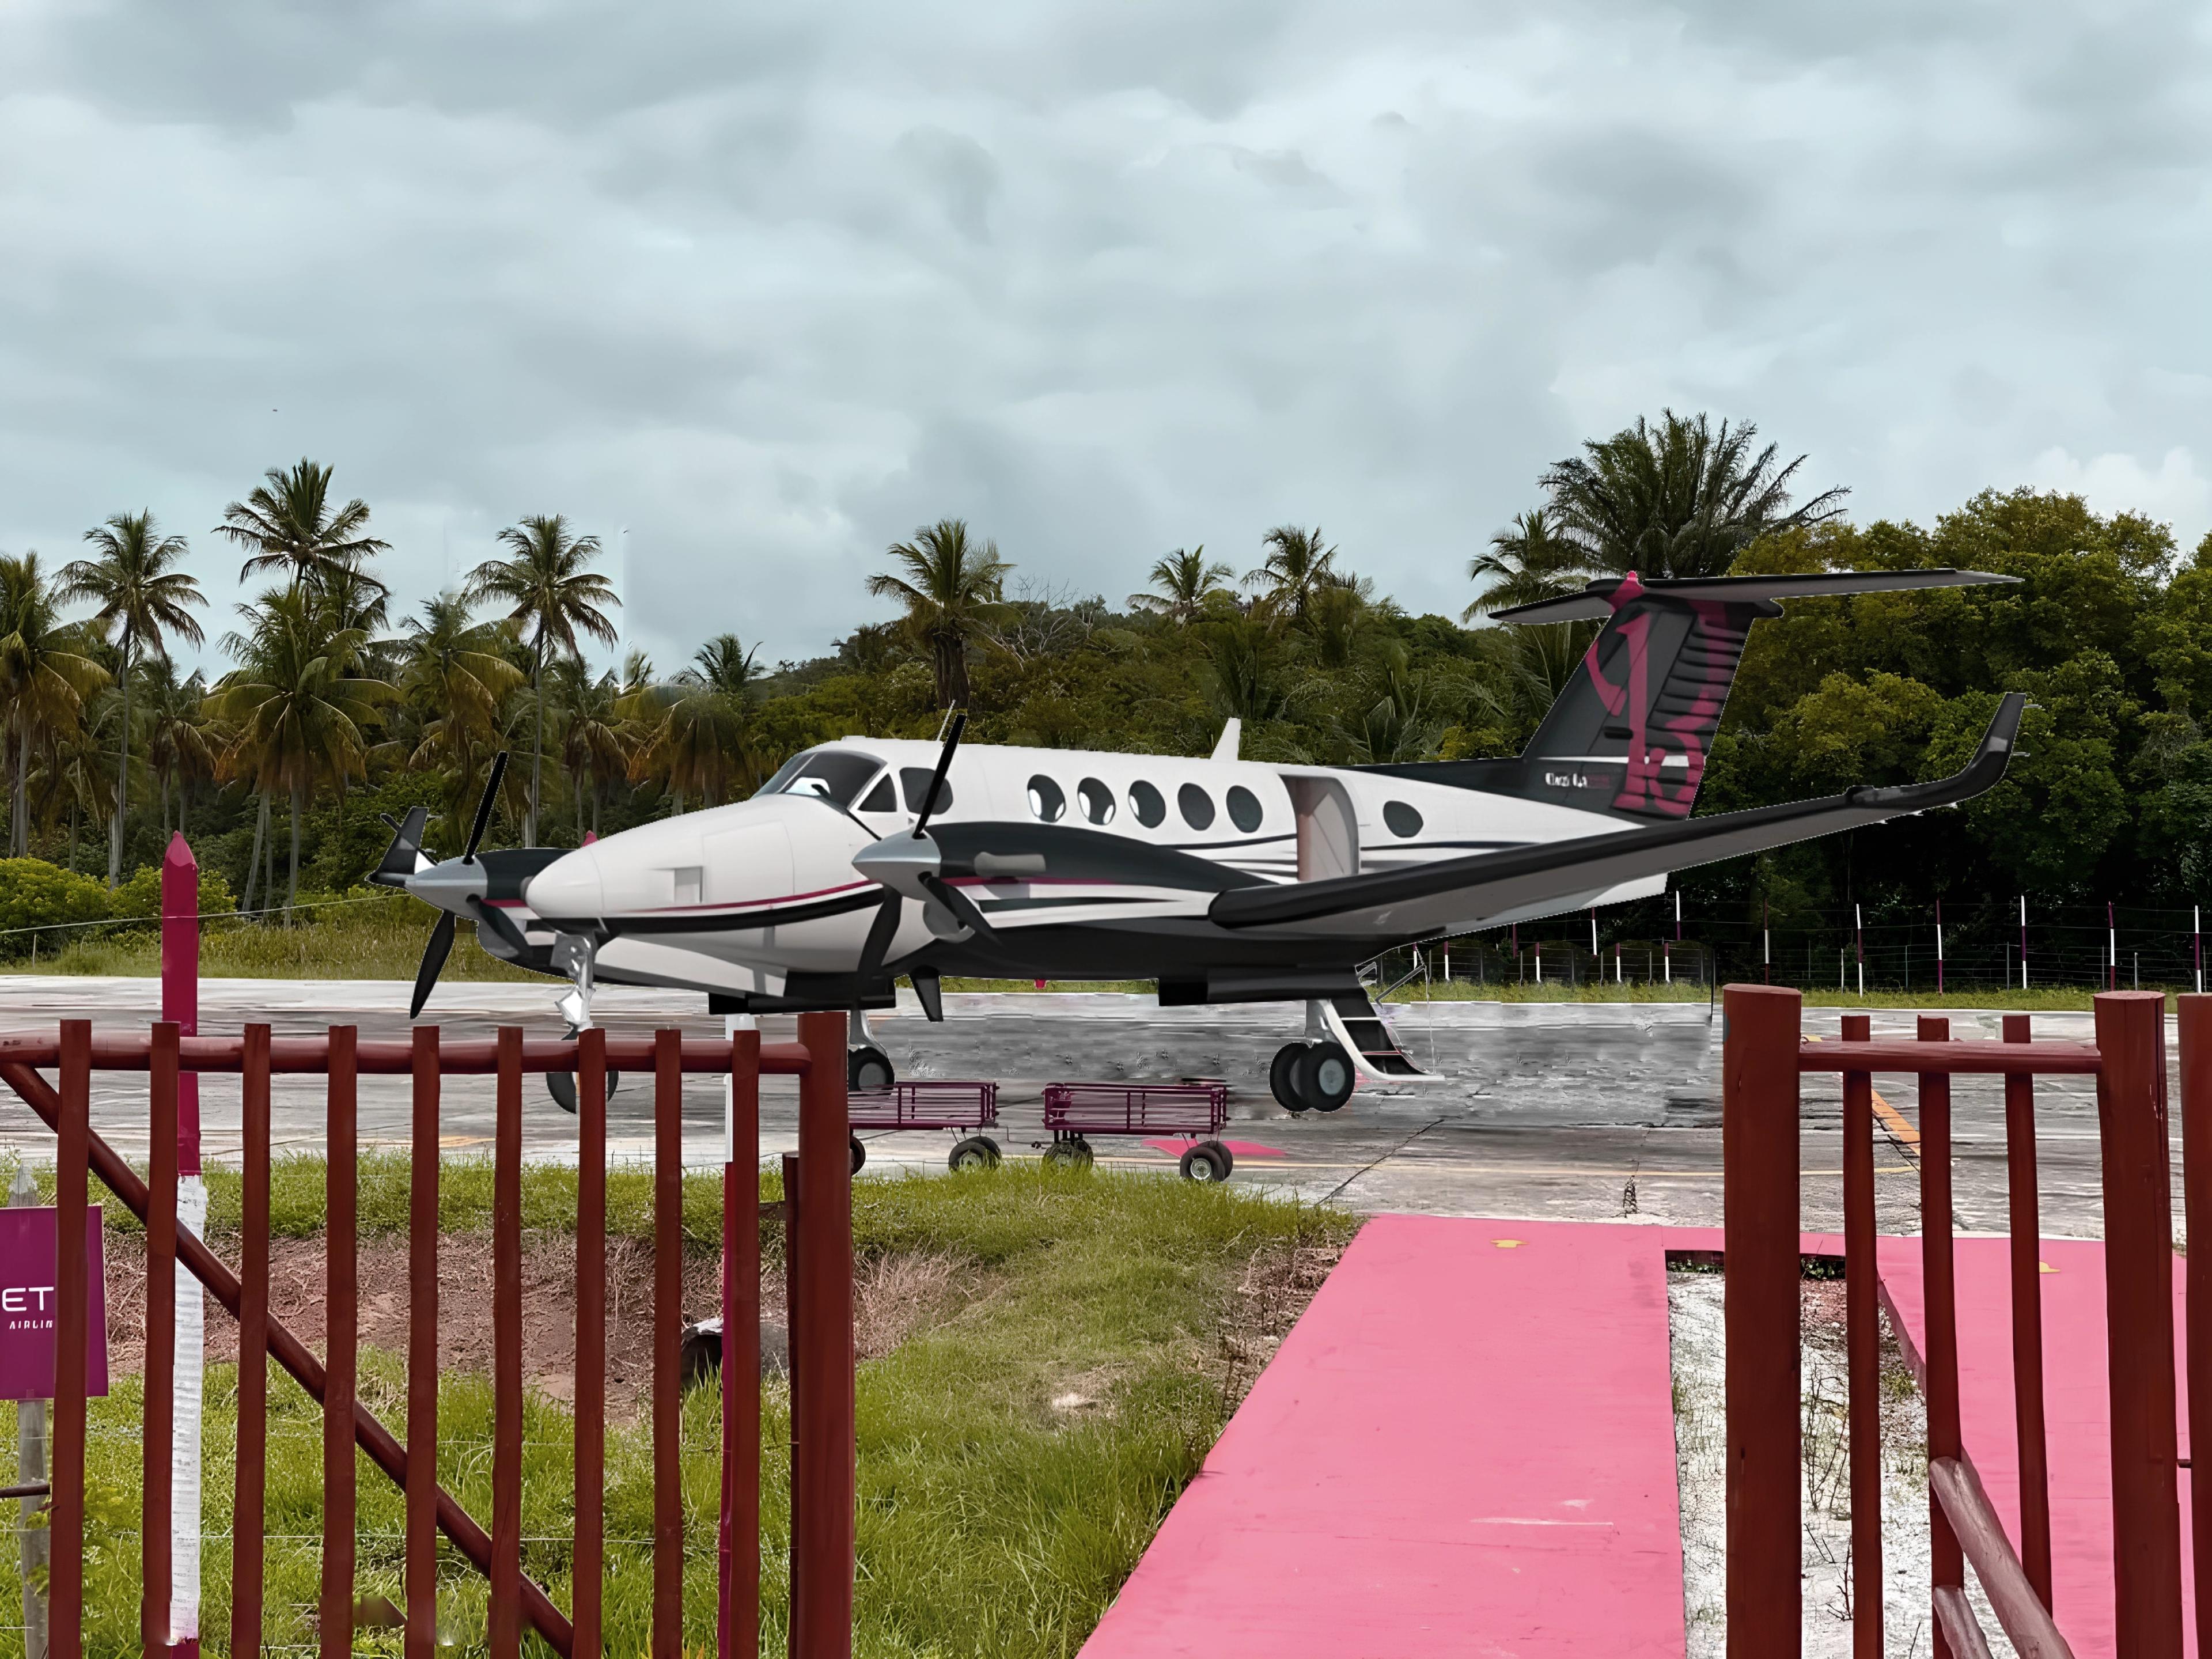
444	883
905	866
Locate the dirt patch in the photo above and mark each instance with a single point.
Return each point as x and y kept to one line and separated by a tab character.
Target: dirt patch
894	1296
1276	1286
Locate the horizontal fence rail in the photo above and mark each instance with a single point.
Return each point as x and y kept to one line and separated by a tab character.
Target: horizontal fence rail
127	1052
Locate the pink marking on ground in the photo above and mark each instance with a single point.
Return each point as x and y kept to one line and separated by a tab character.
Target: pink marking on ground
1465	1446
1237	1148
2076	1393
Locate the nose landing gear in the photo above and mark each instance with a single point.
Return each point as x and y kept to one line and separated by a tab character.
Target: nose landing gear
1312	1076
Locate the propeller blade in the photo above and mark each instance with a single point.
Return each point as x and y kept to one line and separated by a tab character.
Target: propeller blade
881	931
501	924
944	766
434	962
483	807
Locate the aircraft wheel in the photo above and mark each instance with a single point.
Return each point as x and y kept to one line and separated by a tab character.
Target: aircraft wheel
561	1085
859	1152
867	1070
976	1152
1323	1076
1073	1153
1282	1082
1207	1161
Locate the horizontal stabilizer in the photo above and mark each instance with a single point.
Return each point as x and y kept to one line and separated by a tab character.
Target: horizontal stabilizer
1467	892
1595	602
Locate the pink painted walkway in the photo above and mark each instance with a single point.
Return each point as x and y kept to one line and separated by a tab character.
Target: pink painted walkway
1465	1447
2076	1395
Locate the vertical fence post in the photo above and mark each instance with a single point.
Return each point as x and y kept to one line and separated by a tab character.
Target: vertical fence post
181	1002
72	1319
2024	1220
2139	1312
422	1550
33	1466
505	1632
667	1337
591	1430
157	1448
822	1337
341	1327
739	1630
1759	1207
797	1384
1862	1344
250	1475
1947	1564
2195	1024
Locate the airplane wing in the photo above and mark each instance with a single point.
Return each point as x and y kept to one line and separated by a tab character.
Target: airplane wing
1463	892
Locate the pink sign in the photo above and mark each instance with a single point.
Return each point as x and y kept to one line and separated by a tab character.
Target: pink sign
27	1305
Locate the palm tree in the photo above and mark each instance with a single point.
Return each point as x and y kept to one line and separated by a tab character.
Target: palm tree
1297	565
595	740
180	745
953	589
1677	499
455	675
289	525
554	596
300	710
46	673
1527	561
142	597
701	742
1181	580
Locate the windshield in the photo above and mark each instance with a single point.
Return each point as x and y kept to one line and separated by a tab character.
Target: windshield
833	775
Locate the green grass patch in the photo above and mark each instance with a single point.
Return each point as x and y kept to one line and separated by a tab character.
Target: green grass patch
1015	1454
2048	997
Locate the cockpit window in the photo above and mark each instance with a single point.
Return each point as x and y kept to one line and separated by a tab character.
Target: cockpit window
784	774
833	775
881	798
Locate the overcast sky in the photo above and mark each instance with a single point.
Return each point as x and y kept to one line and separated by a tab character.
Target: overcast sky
766	286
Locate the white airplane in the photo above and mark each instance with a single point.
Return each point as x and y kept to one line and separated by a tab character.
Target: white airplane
1223	880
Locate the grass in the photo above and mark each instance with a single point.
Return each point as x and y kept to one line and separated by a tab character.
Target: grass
2047	997
1015	1456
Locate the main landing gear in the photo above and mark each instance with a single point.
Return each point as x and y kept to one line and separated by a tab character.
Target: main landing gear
1312	1076
868	1069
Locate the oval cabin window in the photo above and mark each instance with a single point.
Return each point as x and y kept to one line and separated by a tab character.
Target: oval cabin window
1402	819
1148	804
1243	809
1047	804
1196	806
1097	800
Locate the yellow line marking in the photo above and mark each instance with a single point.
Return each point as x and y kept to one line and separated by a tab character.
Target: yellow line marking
1507	1243
1892	1121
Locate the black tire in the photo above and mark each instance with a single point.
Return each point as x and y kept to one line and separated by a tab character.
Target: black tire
859	1152
1073	1153
1208	1161
868	1069
1282	1082
699	1355
561	1085
976	1152
1324	1077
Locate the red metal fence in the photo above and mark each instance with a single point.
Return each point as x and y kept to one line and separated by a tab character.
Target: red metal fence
1764	1056
818	1196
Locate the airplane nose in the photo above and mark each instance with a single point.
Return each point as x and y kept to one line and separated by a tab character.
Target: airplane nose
567	890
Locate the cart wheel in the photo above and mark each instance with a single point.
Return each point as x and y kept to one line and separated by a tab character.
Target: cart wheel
1281	1079
1207	1161
867	1070
561	1085
1324	1077
1073	1153
859	1152
976	1152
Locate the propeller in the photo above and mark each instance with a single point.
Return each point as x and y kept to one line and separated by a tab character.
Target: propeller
407	840
884	927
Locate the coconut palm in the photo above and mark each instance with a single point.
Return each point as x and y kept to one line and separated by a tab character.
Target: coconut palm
550	593
290	526
46	673
1527	561
595	738
180	745
454	675
143	598
299	708
953	590
1677	499
1181	583
1296	566
698	738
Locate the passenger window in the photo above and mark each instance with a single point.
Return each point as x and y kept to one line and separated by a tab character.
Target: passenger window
915	780
1197	806
1243	809
1047	802
1148	804
882	798
1402	819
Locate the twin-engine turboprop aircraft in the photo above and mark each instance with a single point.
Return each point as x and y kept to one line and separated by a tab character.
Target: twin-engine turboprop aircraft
1221	880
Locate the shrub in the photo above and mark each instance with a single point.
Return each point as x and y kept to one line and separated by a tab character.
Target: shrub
35	894
139	899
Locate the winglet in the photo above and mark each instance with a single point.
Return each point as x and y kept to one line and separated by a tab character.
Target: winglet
1232	733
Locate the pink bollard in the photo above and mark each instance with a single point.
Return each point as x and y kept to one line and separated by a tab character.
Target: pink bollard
180	983
180	1001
